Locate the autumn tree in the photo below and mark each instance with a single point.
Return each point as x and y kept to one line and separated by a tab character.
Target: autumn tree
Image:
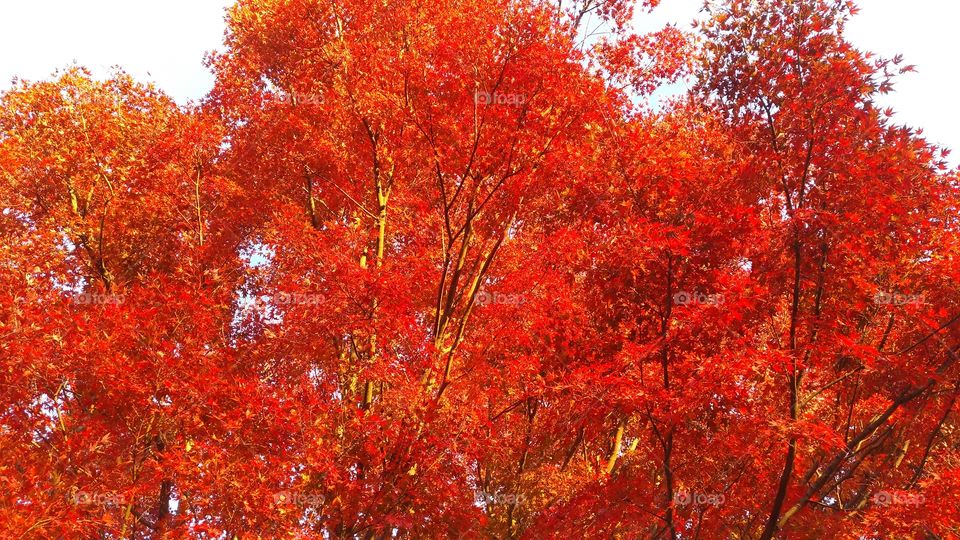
432	270
857	329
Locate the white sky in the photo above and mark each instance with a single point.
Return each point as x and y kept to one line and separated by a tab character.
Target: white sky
923	31
162	41
165	42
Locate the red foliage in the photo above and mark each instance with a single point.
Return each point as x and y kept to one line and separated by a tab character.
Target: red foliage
432	270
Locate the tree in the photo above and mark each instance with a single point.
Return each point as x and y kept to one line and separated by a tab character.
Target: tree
437	270
855	201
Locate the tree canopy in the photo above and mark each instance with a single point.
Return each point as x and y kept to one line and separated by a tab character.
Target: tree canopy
443	270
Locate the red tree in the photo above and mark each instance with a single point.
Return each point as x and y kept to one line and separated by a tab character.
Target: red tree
437	270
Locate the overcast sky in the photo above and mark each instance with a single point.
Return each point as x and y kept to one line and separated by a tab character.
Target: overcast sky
165	42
